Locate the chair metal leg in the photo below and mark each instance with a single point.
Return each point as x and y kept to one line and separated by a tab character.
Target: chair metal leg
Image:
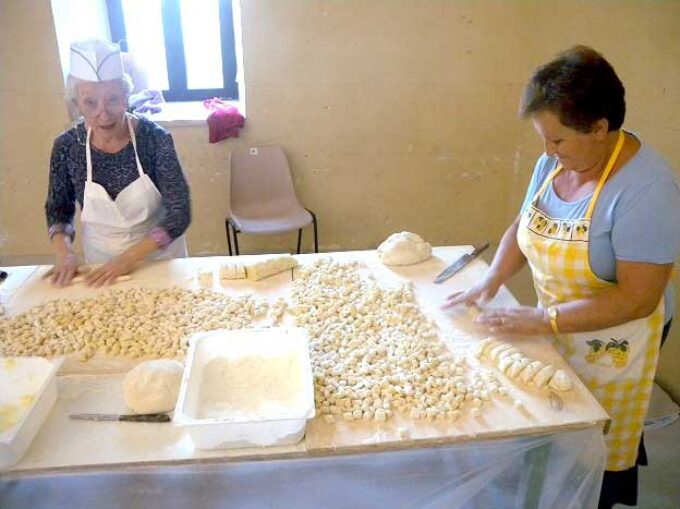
316	238
299	240
235	239
226	228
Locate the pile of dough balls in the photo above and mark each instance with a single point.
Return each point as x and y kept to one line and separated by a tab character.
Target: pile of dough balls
153	386
133	323
374	352
515	364
404	248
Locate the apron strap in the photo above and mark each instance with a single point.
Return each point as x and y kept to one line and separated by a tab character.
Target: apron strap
133	138
546	183
88	152
605	175
88	155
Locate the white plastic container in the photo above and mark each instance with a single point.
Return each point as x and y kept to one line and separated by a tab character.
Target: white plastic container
246	388
28	390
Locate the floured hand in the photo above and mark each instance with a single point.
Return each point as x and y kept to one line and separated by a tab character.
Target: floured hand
518	320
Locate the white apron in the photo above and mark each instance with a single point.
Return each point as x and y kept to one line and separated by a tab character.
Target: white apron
618	363
112	226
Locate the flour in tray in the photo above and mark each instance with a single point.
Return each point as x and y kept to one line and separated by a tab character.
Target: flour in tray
251	388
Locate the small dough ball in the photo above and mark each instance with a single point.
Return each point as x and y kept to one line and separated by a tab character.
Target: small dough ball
153	386
205	276
404	248
561	381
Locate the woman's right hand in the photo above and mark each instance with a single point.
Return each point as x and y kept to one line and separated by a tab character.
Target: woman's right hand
64	270
478	294
66	265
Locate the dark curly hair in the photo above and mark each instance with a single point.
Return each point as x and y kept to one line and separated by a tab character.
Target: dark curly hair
580	87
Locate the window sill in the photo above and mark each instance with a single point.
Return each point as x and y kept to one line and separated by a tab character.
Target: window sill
191	113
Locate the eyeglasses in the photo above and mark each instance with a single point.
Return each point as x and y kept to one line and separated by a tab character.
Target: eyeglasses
113	103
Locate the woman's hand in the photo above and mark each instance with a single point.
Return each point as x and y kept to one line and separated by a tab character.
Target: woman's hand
108	273
526	320
507	261
66	264
64	270
480	293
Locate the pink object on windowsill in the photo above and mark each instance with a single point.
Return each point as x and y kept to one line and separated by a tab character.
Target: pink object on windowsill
224	120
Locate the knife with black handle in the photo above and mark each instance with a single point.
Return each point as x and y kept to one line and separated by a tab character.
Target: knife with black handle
159	417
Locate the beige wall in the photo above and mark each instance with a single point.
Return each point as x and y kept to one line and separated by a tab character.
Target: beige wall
395	114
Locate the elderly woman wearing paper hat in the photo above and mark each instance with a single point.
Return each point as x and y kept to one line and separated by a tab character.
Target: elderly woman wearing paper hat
121	169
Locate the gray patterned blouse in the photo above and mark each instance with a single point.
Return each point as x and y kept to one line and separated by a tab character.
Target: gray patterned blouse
68	173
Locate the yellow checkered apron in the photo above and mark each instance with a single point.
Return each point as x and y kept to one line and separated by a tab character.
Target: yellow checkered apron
618	363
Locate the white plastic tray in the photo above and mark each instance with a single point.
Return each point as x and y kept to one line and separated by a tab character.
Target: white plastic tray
28	391
265	424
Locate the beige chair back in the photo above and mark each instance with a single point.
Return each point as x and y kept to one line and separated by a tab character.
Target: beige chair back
261	183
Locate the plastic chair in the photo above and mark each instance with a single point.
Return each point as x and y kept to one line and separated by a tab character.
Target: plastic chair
262	198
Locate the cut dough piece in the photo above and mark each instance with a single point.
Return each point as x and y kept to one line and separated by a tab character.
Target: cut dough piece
404	248
517	367
496	350
153	386
509	352
483	347
543	377
119	279
232	270
270	266
205	275
561	381
504	364
527	375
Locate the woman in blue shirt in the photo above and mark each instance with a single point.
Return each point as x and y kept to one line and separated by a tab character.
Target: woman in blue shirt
600	231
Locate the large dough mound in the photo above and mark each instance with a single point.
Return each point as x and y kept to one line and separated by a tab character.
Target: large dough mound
404	248
153	386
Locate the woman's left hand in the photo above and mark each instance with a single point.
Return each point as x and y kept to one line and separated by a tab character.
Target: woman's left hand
518	320
110	271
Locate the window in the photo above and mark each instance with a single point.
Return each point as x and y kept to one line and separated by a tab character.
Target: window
186	47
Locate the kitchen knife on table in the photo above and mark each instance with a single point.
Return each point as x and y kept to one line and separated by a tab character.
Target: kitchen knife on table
159	417
459	264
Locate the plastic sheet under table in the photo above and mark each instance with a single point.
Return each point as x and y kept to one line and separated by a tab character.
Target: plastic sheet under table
559	471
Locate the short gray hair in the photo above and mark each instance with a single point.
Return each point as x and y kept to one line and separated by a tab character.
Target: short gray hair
71	92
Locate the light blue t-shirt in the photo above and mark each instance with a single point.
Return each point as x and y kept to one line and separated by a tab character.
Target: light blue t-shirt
636	217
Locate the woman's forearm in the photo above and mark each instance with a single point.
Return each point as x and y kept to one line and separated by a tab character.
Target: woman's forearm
62	245
608	308
139	251
636	295
508	259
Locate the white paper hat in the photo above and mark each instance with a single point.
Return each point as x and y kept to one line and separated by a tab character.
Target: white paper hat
96	60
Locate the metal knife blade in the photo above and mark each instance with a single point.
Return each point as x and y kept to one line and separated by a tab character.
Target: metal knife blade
459	264
159	417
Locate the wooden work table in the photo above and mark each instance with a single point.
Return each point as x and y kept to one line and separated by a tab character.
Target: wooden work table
64	446
95	386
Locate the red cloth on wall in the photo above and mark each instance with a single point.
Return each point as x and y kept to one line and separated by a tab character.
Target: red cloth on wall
224	120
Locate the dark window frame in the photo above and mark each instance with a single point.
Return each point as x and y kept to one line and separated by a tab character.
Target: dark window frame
174	50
